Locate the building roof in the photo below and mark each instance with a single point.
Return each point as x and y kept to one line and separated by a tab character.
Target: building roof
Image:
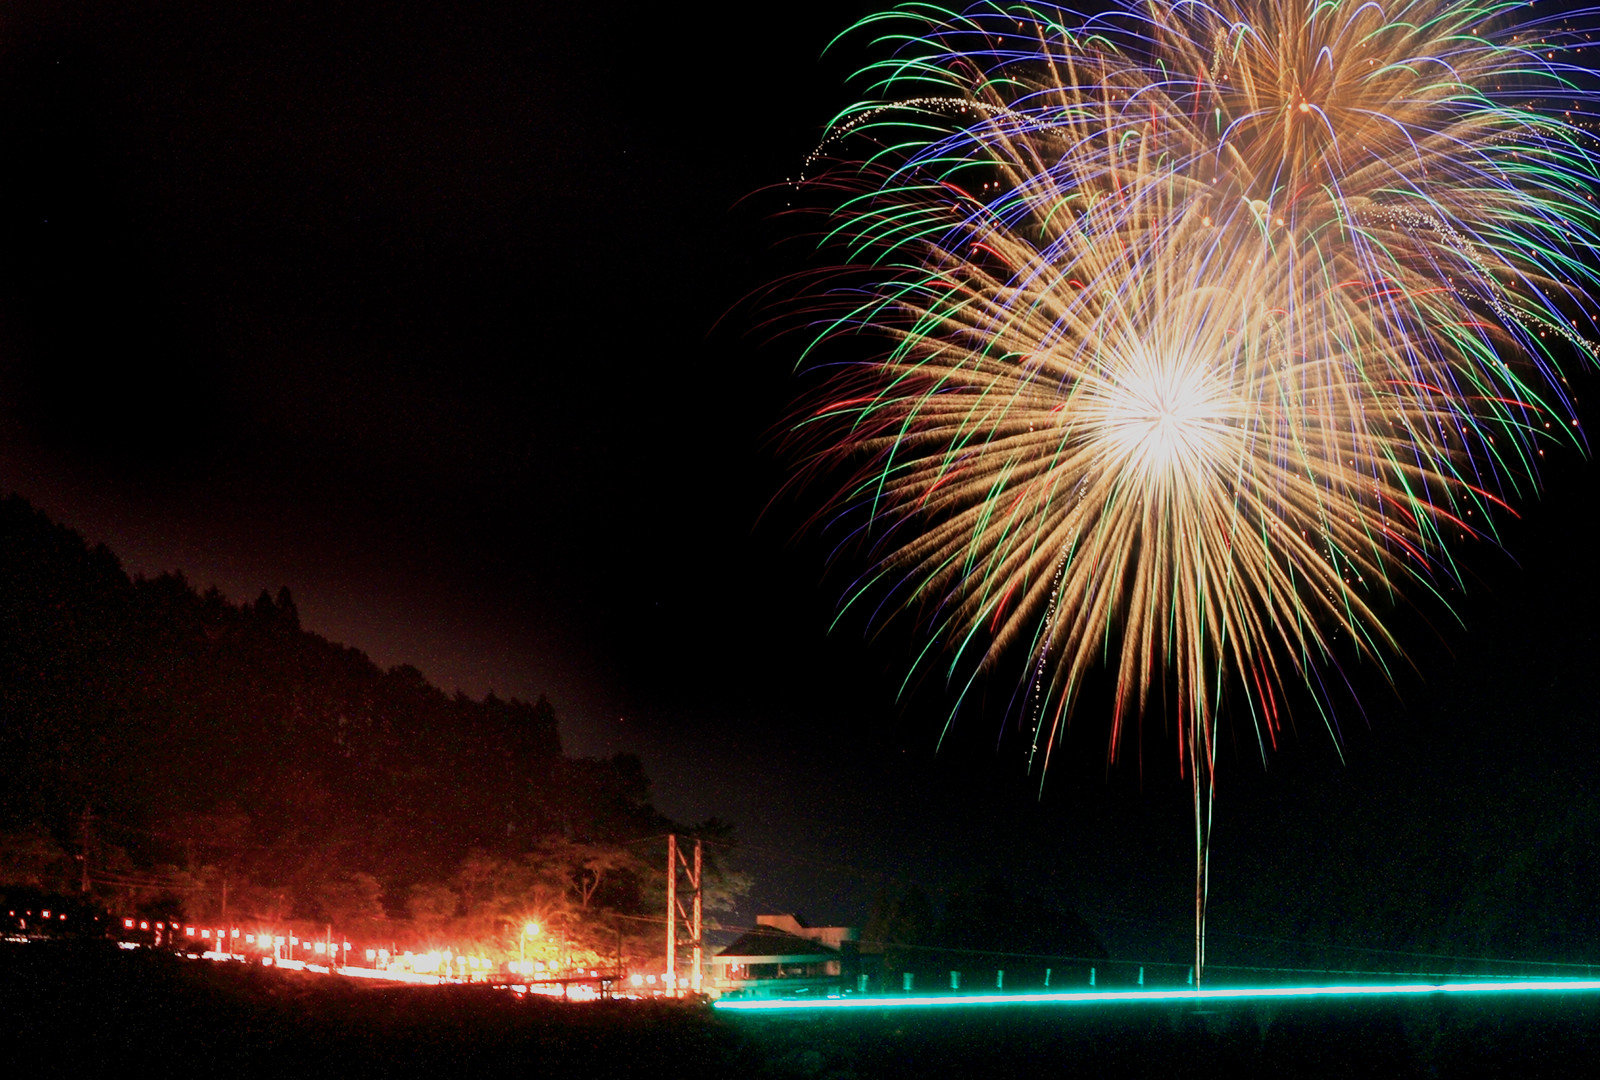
764	942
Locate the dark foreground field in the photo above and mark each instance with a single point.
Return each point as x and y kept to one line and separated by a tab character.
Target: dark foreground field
89	1012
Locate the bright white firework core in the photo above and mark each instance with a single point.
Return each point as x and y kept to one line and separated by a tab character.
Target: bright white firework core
1161	412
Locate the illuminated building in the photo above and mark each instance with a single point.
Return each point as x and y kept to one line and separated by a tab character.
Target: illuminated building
783	957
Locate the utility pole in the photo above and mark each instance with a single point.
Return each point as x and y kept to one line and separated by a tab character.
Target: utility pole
84	825
672	911
696	943
676	860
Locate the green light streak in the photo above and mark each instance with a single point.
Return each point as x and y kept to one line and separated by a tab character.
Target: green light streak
1152	997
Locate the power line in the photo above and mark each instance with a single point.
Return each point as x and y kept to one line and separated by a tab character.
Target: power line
135	883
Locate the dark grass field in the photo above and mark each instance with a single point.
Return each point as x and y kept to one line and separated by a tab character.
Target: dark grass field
90	1011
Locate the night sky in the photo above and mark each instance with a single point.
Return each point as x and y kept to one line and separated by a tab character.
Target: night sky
415	309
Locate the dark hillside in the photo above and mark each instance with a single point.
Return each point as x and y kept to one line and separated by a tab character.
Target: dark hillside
226	752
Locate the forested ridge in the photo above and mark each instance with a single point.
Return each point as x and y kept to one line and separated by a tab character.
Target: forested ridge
204	753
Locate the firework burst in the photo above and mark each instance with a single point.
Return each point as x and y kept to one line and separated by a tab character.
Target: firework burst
1209	324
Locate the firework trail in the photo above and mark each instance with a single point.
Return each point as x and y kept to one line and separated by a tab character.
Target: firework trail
1209	324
